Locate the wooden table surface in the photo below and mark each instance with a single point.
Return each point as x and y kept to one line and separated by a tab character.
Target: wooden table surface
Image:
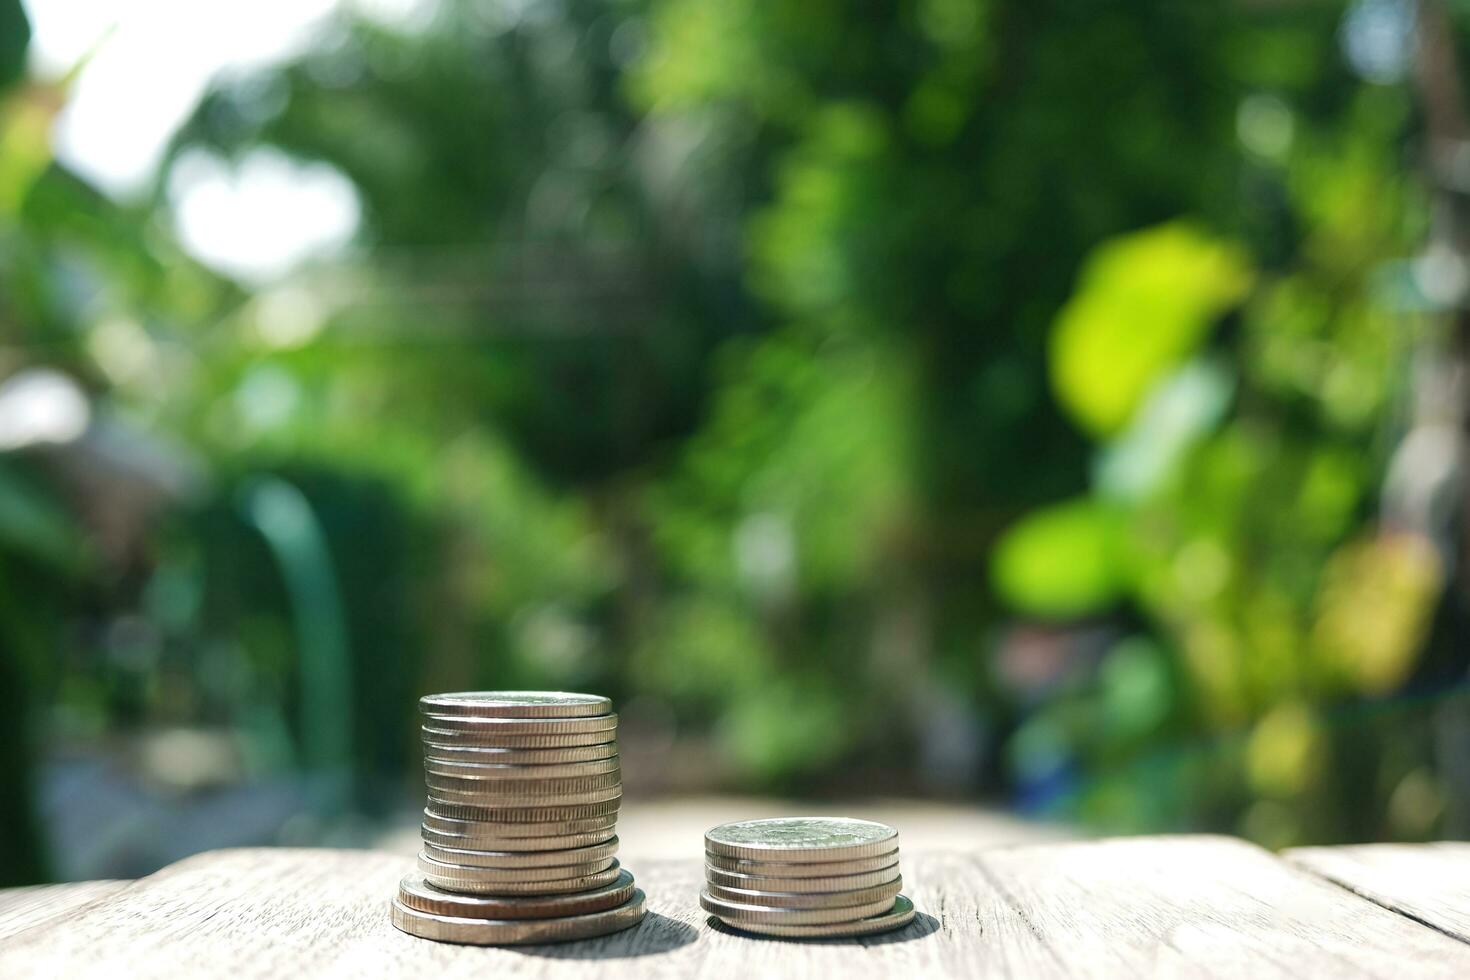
1157	906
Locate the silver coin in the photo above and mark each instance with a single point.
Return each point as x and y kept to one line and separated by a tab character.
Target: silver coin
507	740
897	917
501	828
766	883
476	858
510	932
431	860
802	869
435	874
516	704
741	914
529	785
544	812
490	803
481	770
516	798
418	894
496	727
806	900
816	839
560	842
437	752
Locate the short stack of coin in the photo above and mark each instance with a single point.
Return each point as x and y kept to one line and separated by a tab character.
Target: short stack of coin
520	829
805	877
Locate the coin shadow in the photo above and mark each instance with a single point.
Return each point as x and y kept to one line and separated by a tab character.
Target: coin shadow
923	925
655	934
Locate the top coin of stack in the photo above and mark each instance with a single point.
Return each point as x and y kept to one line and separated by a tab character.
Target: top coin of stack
805	877
520	829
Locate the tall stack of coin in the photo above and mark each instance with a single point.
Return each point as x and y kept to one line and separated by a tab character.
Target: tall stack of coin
520	830
805	877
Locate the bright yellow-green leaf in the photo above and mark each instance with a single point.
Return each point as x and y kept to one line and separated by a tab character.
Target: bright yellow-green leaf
1145	301
1063	561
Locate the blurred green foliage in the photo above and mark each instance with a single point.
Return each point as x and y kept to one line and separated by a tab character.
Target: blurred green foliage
818	371
1143	304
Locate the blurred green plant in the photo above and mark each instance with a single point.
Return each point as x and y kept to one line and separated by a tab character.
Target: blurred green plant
1249	550
852	383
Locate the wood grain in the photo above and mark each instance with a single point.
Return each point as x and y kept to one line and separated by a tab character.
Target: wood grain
26	908
1192	907
1429	882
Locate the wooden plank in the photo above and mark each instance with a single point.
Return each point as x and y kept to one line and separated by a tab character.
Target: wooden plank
1428	882
26	908
1126	908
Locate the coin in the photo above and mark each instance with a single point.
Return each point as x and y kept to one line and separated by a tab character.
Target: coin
481	770
500	828
516	704
519	828
548	811
516	931
816	839
505	793
482	843
496	727
766	883
806	900
441	865
474	857
511	809
524	784
490	806
900	915
507	740
738	913
802	869
491	803
438	752
444	876
418	894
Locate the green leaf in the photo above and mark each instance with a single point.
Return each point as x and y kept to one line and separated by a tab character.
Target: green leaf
1144	303
1063	561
